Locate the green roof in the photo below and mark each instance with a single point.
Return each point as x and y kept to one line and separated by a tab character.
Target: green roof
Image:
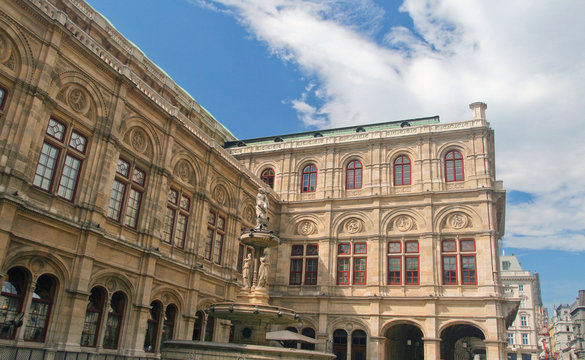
334	132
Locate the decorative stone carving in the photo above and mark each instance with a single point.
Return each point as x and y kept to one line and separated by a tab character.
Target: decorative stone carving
262	208
458	221
219	194
111	284
262	272
353	226
138	140
306	227
183	171
37	265
403	223
248	214
5	50
77	100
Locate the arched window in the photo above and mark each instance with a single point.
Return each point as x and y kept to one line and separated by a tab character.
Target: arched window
152	327
40	309
453	166
288	343
358	345
353	175
308	332
268	177
340	344
11	300
309	178
93	317
114	321
199	316
402	170
169	323
209	327
2	98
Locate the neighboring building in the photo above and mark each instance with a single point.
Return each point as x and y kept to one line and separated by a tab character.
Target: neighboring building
120	212
578	317
523	335
562	331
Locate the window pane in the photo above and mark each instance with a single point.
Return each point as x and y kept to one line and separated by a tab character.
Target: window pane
56	129
468	270
394	268
2	94
296	268
78	142
181	230
69	177
173	196
297	250
217	248
468	245
344	249
411	270
312	250
359	271
46	166
311	272
118	190
343	271
185	203
123	168
412	246
394	247
132	208
449	270
138	177
208	243
359	248
168	227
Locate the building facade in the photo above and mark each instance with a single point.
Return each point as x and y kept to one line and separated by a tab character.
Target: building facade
120	211
562	332
578	318
523	335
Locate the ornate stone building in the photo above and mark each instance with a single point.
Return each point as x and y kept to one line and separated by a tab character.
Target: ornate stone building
120	211
523	334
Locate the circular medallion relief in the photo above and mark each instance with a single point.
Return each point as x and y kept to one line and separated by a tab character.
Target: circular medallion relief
403	223
458	221
138	140
353	226
249	214
219	195
306	227
184	171
77	99
37	265
111	284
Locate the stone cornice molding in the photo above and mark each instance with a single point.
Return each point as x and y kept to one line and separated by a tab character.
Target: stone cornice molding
360	137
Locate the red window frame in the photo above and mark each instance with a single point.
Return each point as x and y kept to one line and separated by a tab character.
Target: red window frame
296	271
463	248
343	270
449	245
412	277
408	244
454	166
402	171
353	175
468	274
94	310
121	297
178	206
130	183
268	177
40	309
360	270
394	243
65	148
394	272
169	323
309	179
152	325
449	265
311	264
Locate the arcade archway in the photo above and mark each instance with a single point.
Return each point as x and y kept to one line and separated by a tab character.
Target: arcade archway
404	342
462	342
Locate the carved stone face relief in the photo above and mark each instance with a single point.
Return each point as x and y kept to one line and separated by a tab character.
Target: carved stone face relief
403	223
458	221
353	226
77	99
306	227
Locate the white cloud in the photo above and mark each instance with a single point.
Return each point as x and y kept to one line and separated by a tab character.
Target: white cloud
525	59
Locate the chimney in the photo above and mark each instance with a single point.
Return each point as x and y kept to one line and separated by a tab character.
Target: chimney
478	109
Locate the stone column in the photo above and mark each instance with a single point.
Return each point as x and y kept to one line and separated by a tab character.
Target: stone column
377	345
432	348
26	308
495	350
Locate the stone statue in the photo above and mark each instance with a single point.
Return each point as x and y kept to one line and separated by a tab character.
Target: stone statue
262	272
261	209
246	270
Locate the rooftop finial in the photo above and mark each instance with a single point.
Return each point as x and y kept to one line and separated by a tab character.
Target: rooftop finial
478	109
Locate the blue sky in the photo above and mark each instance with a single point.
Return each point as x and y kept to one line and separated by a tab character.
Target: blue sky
268	67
